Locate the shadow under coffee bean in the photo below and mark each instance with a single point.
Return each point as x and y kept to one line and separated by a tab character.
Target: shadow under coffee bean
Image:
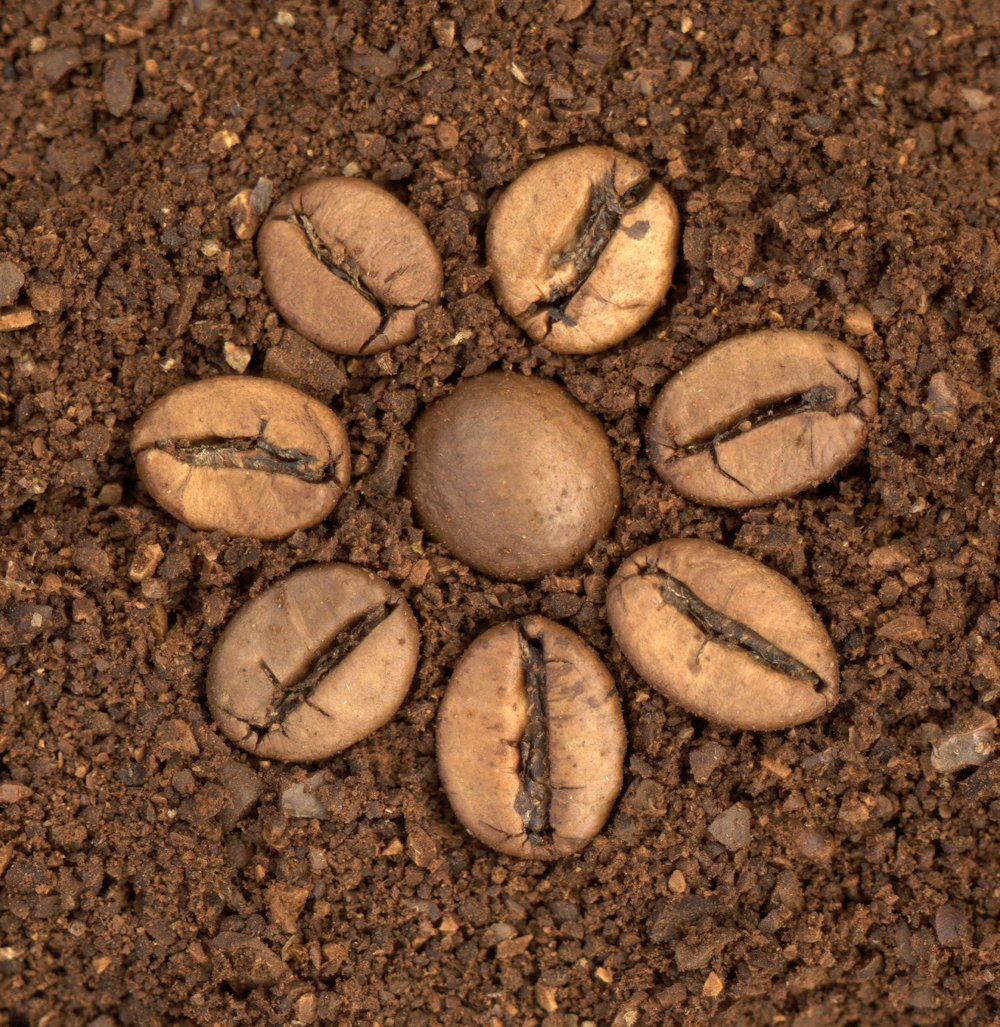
761	417
315	663
581	248
251	456
348	266
531	740
723	635
513	476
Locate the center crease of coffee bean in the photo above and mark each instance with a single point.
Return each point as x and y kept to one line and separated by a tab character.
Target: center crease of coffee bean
719	628
256	454
607	208
818	399
347	270
298	691
534	794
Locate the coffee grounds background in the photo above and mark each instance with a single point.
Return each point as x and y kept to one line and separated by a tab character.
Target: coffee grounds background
836	169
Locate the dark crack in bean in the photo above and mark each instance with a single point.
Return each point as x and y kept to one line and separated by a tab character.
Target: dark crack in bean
289	695
821	398
534	796
256	454
606	209
726	631
347	271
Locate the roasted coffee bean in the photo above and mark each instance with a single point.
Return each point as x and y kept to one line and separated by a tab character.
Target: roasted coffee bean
315	663
582	247
722	635
531	740
513	476
760	417
248	455
348	266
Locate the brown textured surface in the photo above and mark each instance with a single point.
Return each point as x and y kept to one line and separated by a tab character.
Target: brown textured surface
834	170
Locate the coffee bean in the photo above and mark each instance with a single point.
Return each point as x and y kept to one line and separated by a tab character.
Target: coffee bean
760	417
248	455
531	740
513	476
582	247
722	635
348	266
317	662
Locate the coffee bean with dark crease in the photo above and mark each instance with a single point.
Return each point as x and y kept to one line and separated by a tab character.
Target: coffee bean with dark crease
723	635
315	663
760	417
513	476
348	266
581	248
531	740
248	455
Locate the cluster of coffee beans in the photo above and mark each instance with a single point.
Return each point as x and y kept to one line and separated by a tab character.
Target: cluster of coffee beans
515	478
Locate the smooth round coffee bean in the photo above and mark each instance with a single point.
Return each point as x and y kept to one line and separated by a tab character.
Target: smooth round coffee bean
582	247
723	636
513	476
315	663
251	456
531	740
760	417
348	266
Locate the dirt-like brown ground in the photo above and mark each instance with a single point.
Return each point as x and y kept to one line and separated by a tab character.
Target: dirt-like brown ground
836	168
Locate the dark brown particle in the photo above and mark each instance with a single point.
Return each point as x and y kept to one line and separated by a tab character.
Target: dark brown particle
834	165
